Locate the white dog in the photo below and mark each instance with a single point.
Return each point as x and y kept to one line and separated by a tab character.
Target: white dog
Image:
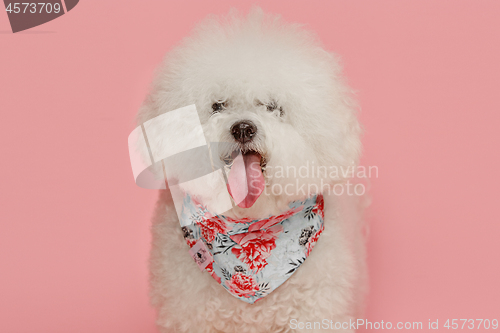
271	92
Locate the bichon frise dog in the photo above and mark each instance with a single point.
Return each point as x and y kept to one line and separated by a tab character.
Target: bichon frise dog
278	102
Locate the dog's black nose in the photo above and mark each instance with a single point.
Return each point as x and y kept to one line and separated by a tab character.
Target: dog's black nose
243	131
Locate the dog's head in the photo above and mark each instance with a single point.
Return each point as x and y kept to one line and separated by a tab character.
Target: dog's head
270	91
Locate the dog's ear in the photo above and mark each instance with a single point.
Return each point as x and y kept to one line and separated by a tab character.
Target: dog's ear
344	137
147	173
330	122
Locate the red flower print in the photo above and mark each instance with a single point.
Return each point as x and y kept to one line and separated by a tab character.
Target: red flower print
242	285
255	247
319	207
312	241
191	242
210	269
269	222
212	226
242	220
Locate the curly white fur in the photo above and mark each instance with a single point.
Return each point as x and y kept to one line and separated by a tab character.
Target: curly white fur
249	62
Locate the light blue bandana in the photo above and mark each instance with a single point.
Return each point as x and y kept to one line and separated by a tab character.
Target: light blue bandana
251	258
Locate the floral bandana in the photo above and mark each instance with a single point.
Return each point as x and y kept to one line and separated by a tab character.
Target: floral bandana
251	258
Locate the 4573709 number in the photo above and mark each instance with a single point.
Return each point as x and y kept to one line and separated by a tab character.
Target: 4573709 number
471	324
33	7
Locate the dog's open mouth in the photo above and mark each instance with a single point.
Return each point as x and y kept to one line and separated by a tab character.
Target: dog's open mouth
245	181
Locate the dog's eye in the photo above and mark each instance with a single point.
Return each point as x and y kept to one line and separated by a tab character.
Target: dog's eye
218	106
273	106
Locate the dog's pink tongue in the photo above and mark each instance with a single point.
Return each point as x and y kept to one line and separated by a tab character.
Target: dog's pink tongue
245	182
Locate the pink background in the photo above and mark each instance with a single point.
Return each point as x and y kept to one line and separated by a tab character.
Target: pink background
74	236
